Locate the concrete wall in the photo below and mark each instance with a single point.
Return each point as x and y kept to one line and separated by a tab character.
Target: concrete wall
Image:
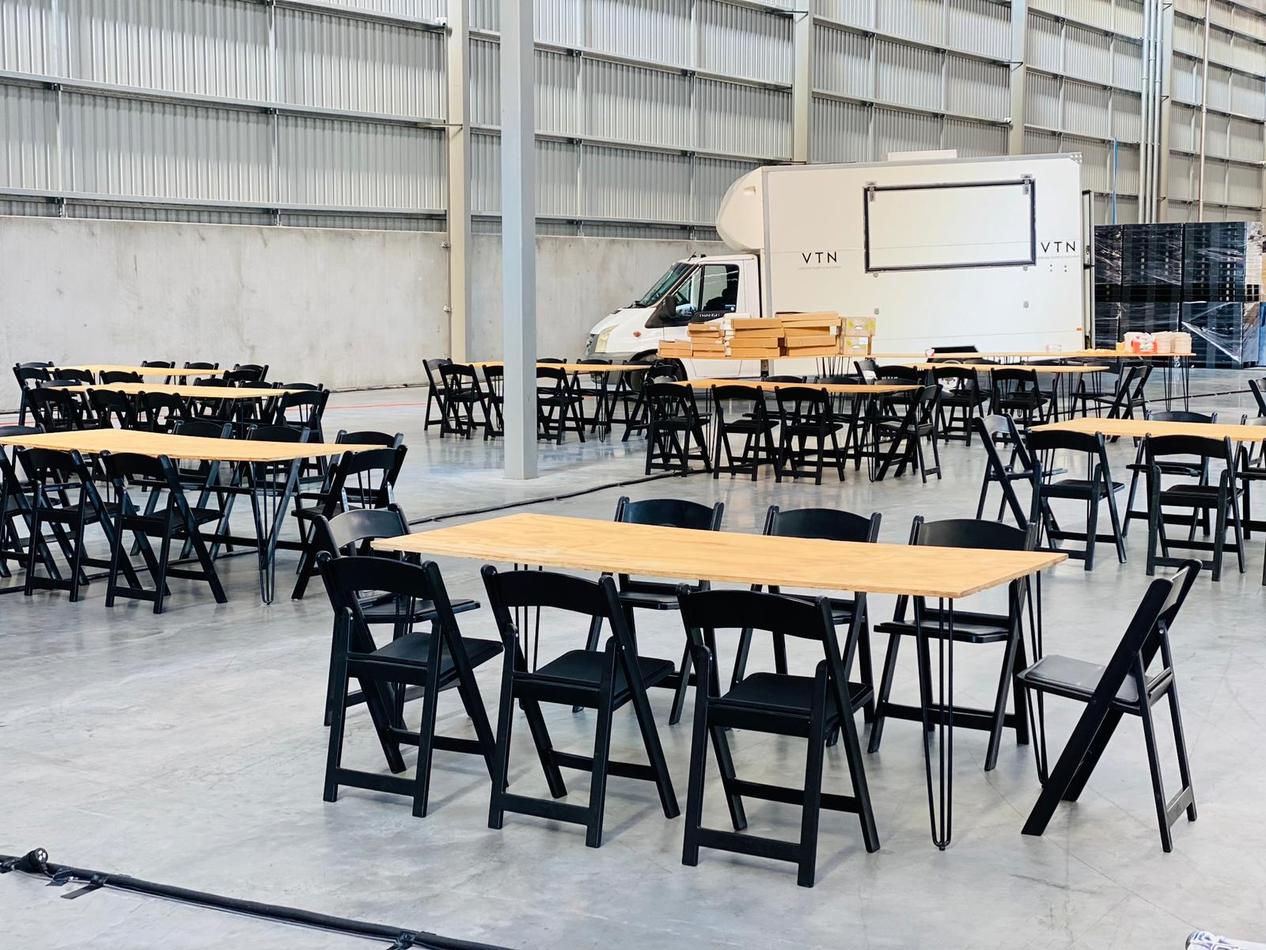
346	308
579	281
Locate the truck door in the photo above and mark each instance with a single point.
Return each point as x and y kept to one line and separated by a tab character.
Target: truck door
718	290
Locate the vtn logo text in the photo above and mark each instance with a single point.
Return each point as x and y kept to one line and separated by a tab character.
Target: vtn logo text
820	257
1059	247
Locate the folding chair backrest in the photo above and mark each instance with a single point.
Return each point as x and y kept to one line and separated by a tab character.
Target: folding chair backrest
203	428
799	617
307	407
365	479
901	374
111	376
197	365
961	374
80	376
369	437
970	533
670	401
1012	379
54	409
432	370
670	512
250	372
124	467
798	380
277	433
159	364
1152	619
670	370
1161	446
350	532
162	411
348	579
112	408
48	466
1180	415
1052	440
1258	389
458	376
803	405
831	524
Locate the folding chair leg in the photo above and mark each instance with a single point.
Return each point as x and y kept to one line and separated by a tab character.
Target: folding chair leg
679	695
1158	781
601	757
1000	702
740	660
655	750
807	864
725	763
1094	750
426	742
698	770
885	692
1180	749
338	716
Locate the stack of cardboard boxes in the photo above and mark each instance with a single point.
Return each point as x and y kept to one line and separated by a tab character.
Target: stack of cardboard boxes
787	335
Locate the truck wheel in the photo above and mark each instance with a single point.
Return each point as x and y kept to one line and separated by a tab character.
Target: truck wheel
637	379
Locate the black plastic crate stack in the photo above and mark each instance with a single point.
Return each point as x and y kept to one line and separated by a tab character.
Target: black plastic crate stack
1201	278
1222	290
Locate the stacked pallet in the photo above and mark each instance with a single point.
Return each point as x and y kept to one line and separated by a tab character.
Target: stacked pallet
753	338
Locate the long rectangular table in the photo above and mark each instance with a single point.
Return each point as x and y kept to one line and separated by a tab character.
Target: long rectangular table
188	391
262	464
1139	428
164	371
648	550
835	389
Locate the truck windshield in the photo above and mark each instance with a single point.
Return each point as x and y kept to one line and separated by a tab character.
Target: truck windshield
663	285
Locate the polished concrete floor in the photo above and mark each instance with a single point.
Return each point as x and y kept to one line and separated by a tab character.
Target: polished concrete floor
189	749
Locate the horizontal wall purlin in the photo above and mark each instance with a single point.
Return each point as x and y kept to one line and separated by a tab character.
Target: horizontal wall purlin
913	110
495	131
209	204
606	57
827	22
110	91
354	13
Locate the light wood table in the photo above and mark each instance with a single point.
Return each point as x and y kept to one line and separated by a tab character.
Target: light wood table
1058	369
163	371
582	544
270	468
188	391
574	367
835	389
1139	428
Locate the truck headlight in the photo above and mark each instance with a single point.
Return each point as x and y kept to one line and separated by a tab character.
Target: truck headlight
600	341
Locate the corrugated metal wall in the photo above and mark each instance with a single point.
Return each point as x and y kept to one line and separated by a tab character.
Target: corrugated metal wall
1234	100
330	113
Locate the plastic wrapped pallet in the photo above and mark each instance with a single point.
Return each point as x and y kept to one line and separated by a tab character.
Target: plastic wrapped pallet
1152	263
1224	333
1108	248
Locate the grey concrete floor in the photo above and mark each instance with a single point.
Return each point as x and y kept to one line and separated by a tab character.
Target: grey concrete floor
189	749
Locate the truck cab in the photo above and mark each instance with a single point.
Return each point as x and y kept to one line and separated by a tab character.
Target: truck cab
698	289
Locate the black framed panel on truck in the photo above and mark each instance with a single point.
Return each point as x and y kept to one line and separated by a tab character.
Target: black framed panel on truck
950	225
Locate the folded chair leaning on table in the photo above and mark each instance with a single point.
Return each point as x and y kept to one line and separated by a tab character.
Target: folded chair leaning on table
1124	686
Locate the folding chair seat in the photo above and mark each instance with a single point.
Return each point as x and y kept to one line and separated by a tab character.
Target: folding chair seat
810	707
603	680
752	424
675	430
1093	490
433	661
827	524
176	521
1130	683
930	624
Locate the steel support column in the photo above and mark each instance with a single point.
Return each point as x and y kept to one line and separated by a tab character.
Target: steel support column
518	235
1019	75
801	80
458	179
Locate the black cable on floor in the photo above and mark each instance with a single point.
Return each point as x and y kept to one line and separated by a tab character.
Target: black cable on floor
395	938
546	499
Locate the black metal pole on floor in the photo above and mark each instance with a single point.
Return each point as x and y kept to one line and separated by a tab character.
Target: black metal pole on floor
397	938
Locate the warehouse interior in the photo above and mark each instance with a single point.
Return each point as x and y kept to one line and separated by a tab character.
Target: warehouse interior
303	296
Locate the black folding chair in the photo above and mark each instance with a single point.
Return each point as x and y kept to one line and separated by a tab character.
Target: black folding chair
433	661
350	534
112	410
808	433
362	479
64	498
773	703
434	393
1097	487
931	624
961	401
748	419
1188	468
16	515
495	401
828	524
905	437
600	680
1200	499
162	412
29	377
637	415
1126	685
176	521
1016	392
462	394
675	431
55	409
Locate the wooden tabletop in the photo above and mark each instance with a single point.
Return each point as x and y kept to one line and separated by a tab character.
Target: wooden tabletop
154	444
765	385
189	392
587	545
1137	428
163	371
1100	353
1076	368
574	367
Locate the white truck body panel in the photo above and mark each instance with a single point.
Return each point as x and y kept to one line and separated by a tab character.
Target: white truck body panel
942	251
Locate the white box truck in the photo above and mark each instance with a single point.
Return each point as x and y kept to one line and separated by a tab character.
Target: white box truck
941	251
